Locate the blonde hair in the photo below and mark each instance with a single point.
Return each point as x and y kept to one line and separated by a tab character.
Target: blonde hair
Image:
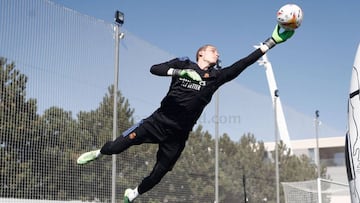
202	49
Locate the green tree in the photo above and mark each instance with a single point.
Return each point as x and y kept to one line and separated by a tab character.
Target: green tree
17	130
97	125
196	168
247	166
56	148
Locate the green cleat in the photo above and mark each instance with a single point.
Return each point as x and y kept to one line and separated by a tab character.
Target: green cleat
126	194
88	156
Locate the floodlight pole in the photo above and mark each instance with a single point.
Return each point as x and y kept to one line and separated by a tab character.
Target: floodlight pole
218	66
119	20
217	147
276	95
317	158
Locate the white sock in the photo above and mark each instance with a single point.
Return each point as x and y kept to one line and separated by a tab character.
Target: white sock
133	194
98	153
264	48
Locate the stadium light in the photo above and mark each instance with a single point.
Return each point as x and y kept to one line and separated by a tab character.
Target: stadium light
119	17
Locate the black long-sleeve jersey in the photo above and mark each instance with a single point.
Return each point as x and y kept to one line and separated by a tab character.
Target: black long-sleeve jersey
186	99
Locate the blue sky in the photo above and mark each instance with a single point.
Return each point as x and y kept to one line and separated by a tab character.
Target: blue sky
312	69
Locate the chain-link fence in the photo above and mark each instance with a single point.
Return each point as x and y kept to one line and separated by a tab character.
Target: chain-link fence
56	77
57	74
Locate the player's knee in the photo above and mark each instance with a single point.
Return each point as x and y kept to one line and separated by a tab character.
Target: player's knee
108	148
115	147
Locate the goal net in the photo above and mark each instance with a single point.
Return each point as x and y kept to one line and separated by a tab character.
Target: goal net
307	191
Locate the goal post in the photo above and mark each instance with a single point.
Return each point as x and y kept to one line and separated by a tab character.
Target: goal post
307	191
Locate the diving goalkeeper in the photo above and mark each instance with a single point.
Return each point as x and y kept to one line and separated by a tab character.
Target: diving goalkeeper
191	89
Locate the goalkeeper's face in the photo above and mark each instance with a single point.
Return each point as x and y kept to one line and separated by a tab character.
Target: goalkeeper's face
209	54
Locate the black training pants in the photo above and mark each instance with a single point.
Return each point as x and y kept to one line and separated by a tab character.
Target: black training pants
171	144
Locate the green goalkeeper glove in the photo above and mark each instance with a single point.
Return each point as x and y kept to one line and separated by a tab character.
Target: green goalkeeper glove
277	37
188	74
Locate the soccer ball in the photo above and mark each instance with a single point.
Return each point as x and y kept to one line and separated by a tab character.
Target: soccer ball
289	16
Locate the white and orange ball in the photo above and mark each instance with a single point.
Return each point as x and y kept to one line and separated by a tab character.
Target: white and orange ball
289	16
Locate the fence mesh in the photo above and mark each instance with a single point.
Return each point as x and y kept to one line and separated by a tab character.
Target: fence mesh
57	70
56	102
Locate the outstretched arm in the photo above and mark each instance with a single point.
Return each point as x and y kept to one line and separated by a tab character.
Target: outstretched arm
277	37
